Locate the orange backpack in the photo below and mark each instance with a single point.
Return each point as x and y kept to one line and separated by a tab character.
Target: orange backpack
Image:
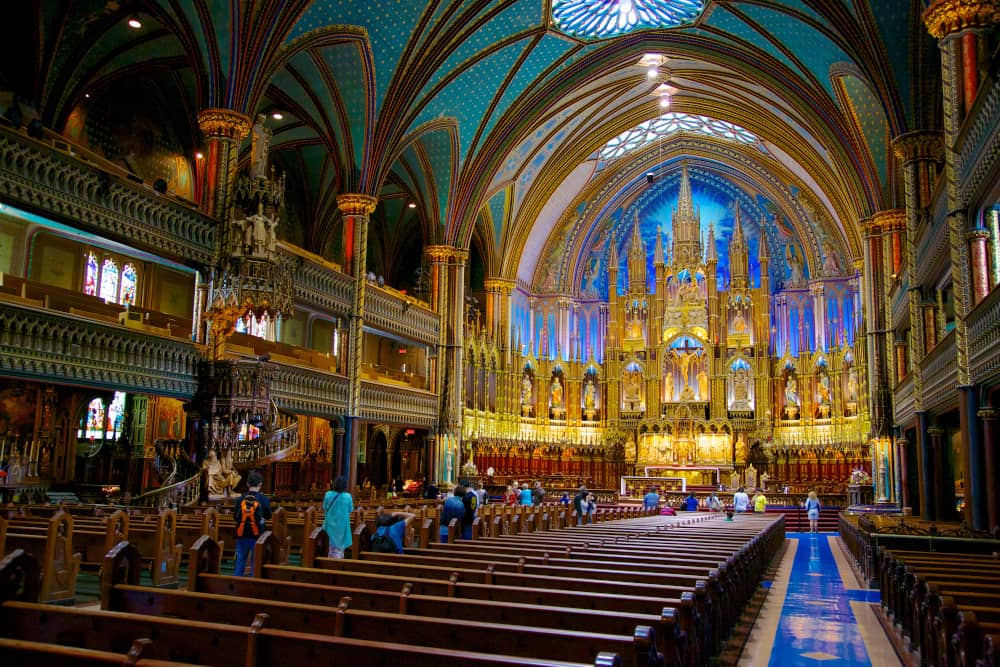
248	517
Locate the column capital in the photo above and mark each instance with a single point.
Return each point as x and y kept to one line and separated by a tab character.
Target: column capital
352	203
224	123
892	219
974	234
988	413
947	17
919	145
499	285
446	253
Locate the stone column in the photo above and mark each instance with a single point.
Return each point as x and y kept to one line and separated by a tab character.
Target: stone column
563	325
991	440
980	257
819	313
878	354
902	492
960	27
355	209
223	130
928	490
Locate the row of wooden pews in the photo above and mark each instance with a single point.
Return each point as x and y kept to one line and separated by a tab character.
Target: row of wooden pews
649	591
946	604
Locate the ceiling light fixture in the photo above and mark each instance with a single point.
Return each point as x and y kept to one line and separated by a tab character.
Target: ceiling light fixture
652	72
134	22
277	115
412	205
199	155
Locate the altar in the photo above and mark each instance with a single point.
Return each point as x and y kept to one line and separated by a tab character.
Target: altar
693	475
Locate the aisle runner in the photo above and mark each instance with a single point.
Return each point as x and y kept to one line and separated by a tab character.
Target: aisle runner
822	621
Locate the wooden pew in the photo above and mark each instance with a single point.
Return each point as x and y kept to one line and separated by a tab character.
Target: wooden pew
54	551
450	631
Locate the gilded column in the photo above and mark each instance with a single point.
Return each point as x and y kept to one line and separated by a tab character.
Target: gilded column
223	130
355	208
960	26
891	224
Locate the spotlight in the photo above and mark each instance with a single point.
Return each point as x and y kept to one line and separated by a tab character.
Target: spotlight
652	72
650	177
160	186
134	22
86	96
411	205
199	156
665	101
277	115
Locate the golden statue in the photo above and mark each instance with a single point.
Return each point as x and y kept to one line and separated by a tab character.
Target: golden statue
222	479
702	385
556	392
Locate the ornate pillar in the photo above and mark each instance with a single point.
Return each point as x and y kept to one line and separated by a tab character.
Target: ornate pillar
929	328
980	258
891	222
878	354
355	209
991	438
563	324
819	313
223	130
902	492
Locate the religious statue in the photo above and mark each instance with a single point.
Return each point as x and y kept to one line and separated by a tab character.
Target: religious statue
589	396
823	389
683	361
702	385
525	389
633	384
739	323
741	450
260	143
448	463
791	391
741	390
222	479
763	481
556	391
852	386
668	387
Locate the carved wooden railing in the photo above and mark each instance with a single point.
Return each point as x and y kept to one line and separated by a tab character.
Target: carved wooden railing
178	494
398	405
978	145
984	344
902	403
52	176
269	448
940	374
387	310
50	346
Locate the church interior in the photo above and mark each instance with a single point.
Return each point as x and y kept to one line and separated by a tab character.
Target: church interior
687	246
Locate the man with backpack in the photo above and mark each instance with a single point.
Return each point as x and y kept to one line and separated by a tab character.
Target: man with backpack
251	512
390	532
471	503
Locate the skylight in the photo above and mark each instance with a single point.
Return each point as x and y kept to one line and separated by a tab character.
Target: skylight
649	131
595	19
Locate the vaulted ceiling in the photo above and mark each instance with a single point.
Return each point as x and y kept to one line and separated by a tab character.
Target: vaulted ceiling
489	118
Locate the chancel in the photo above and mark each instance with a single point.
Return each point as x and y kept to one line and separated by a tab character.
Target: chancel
652	258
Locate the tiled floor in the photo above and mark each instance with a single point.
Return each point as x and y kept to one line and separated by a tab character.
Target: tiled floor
817	613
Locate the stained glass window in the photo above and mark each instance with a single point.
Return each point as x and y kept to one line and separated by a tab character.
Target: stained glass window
90	275
649	131
129	279
109	281
595	19
93	421
116	413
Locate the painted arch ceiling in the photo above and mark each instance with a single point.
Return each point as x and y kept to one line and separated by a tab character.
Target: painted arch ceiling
497	118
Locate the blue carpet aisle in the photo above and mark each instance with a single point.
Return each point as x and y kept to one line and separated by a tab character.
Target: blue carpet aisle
812	618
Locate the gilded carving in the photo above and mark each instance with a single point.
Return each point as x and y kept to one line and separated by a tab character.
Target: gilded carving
224	123
946	17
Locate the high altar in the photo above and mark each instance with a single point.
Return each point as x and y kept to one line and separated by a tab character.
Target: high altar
692	373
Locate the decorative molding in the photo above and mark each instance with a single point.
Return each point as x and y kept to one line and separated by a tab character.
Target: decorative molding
939	371
947	17
902	401
979	151
356	204
224	123
397	405
43	178
919	145
56	347
396	314
319	286
889	220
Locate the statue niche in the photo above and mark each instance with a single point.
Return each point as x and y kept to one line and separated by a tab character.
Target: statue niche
740	386
791	389
590	395
527	392
557	398
824	397
633	396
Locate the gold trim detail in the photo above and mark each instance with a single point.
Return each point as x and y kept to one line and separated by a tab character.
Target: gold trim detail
946	17
353	203
919	145
890	220
224	123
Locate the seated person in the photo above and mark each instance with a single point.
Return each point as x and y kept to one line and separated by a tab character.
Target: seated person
453	508
691	503
393	526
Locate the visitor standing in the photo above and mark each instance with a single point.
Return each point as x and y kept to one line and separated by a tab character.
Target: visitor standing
337	508
741	501
250	514
812	511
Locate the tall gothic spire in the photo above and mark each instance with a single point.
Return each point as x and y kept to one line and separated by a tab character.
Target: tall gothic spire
686	221
658	252
739	261
636	258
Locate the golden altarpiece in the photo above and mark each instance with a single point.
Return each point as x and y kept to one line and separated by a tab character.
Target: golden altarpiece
693	388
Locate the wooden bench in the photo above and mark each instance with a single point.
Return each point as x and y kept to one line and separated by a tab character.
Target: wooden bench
53	549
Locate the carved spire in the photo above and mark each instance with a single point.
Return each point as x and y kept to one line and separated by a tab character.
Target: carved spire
710	254
636	258
658	252
739	259
687	251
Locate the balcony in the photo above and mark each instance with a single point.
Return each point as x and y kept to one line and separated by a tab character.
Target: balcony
76	186
939	372
51	346
984	344
978	143
902	401
396	313
393	404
